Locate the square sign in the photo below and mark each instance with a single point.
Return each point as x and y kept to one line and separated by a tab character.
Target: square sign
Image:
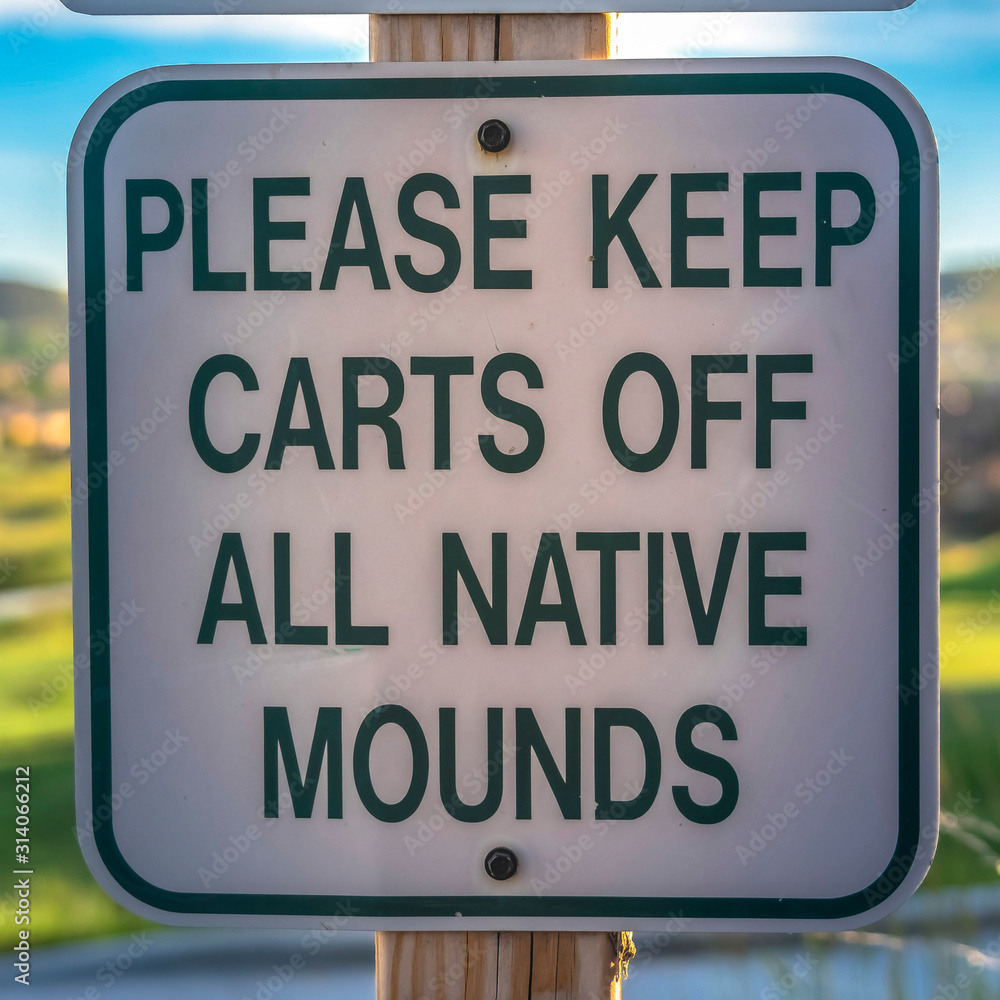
505	495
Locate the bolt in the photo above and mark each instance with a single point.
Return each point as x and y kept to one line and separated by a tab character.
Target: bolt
494	135
501	864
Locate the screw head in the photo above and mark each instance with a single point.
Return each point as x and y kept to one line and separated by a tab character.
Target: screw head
494	135
501	864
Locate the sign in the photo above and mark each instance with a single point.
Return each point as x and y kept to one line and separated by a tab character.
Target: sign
468	6
571	506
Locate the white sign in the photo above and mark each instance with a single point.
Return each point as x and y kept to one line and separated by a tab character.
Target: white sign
468	6
575	502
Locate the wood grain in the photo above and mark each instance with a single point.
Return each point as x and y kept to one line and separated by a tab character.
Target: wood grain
500	965
472	37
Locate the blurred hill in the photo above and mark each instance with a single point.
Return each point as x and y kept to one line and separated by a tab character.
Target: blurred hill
970	322
27	302
34	356
970	401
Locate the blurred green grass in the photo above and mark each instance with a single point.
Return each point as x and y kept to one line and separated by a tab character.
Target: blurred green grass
34	520
36	706
36	709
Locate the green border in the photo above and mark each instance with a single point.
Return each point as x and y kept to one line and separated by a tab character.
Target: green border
908	567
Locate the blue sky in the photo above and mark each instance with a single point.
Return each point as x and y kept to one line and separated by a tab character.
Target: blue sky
54	63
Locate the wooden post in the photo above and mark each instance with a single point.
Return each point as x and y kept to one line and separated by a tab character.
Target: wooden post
491	965
470	37
500	965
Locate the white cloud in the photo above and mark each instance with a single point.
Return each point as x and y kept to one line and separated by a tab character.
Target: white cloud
655	36
919	33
